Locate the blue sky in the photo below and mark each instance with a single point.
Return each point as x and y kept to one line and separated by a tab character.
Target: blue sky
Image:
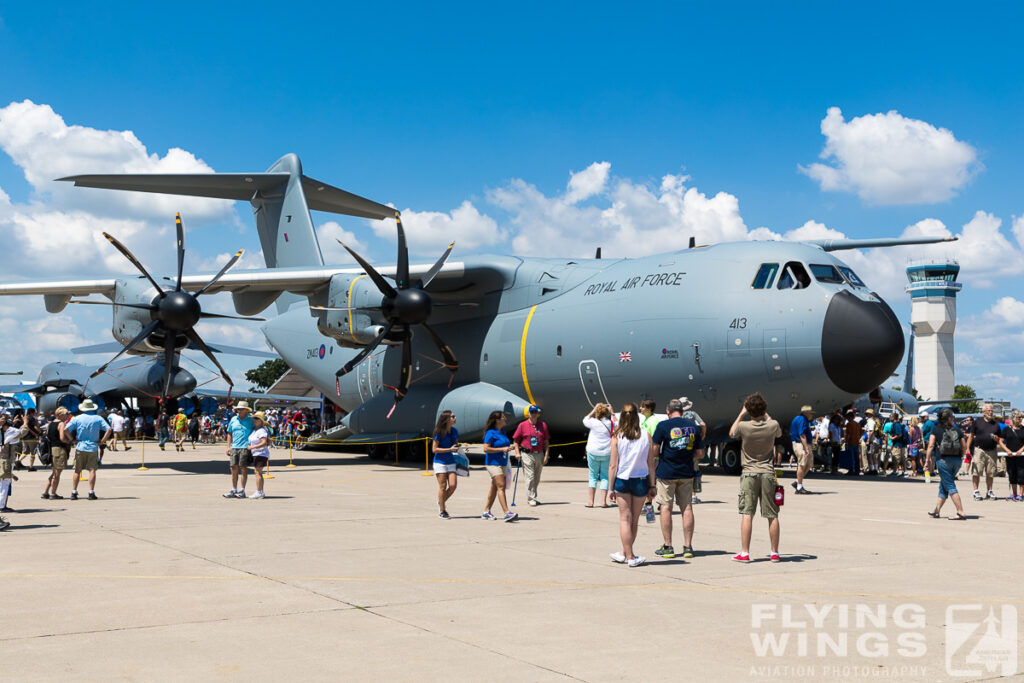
472	120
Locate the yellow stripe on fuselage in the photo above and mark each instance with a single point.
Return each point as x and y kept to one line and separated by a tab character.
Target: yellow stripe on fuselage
522	355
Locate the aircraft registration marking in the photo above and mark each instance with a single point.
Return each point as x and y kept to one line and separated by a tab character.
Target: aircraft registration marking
636	282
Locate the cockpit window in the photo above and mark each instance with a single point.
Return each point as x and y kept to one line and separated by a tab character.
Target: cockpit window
794	276
765	276
827	274
852	277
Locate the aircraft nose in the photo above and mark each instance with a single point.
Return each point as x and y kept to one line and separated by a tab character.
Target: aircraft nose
861	343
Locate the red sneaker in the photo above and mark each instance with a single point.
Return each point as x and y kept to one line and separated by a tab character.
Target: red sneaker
740	557
775	557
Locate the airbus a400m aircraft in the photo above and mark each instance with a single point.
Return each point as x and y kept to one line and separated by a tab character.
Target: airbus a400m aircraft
714	323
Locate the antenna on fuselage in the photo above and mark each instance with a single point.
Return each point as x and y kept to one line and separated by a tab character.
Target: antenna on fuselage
693	242
598	254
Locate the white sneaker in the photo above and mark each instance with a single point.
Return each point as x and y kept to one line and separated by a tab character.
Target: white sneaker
240	493
257	495
230	494
694	500
618	557
638	561
532	503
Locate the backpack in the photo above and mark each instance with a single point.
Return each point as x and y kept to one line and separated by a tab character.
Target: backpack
950	443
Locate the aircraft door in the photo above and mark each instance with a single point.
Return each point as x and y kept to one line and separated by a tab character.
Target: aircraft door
591	379
776	361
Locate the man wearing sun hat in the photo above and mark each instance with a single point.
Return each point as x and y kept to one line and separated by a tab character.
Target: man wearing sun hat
800	433
239	456
90	432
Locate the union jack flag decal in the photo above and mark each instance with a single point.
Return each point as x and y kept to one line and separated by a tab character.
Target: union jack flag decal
625	357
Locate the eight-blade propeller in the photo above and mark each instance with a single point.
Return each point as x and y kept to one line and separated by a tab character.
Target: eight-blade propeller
403	306
173	312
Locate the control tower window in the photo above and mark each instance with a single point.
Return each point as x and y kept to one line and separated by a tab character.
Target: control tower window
852	277
794	276
765	276
827	274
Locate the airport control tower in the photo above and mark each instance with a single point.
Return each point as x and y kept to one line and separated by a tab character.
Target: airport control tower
933	289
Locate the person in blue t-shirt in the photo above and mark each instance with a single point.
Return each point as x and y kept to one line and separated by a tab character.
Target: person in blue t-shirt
90	432
678	439
446	443
496	448
239	456
802	437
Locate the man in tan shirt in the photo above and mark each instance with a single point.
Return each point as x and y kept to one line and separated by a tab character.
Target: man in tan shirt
757	482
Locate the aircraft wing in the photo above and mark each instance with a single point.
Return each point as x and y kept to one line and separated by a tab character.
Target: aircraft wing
837	245
256	396
116	347
297	280
22	388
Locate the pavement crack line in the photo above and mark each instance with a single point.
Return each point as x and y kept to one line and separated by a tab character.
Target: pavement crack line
307	589
195	622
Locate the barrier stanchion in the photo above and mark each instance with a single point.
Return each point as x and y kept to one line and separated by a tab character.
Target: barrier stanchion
291	463
267	474
143	468
426	459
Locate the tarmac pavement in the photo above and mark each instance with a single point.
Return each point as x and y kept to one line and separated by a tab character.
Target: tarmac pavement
345	572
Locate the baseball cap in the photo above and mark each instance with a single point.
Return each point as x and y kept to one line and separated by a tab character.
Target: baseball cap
533	408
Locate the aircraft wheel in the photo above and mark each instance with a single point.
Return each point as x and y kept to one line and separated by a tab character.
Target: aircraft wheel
729	460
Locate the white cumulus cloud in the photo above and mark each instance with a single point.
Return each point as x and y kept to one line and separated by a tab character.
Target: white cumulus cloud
890	159
429	232
39	141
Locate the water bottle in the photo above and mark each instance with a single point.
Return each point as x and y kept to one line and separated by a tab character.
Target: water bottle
649	511
927	476
780	495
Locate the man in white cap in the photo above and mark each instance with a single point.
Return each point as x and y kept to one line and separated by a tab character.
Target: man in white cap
90	432
239	456
800	434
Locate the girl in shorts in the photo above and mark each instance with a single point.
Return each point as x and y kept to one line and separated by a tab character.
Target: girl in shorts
632	470
259	446
496	448
446	443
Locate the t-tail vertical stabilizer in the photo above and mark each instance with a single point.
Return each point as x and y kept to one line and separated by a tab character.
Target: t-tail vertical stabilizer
281	198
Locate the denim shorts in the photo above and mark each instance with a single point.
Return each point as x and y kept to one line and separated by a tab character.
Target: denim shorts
637	486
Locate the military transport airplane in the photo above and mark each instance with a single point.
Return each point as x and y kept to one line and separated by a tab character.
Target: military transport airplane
141	379
713	323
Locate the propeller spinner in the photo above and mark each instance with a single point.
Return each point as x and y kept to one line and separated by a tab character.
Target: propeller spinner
403	307
173	312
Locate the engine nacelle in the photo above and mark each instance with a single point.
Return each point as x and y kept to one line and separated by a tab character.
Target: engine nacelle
359	320
128	322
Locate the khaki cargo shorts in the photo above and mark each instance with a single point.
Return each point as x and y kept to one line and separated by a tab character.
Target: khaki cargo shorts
239	457
678	490
983	464
86	460
758	487
60	457
804	456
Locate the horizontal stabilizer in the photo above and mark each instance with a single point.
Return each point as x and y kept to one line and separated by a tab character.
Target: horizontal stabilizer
837	245
239	186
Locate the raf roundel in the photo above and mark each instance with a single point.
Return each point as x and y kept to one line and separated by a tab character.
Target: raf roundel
322	351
